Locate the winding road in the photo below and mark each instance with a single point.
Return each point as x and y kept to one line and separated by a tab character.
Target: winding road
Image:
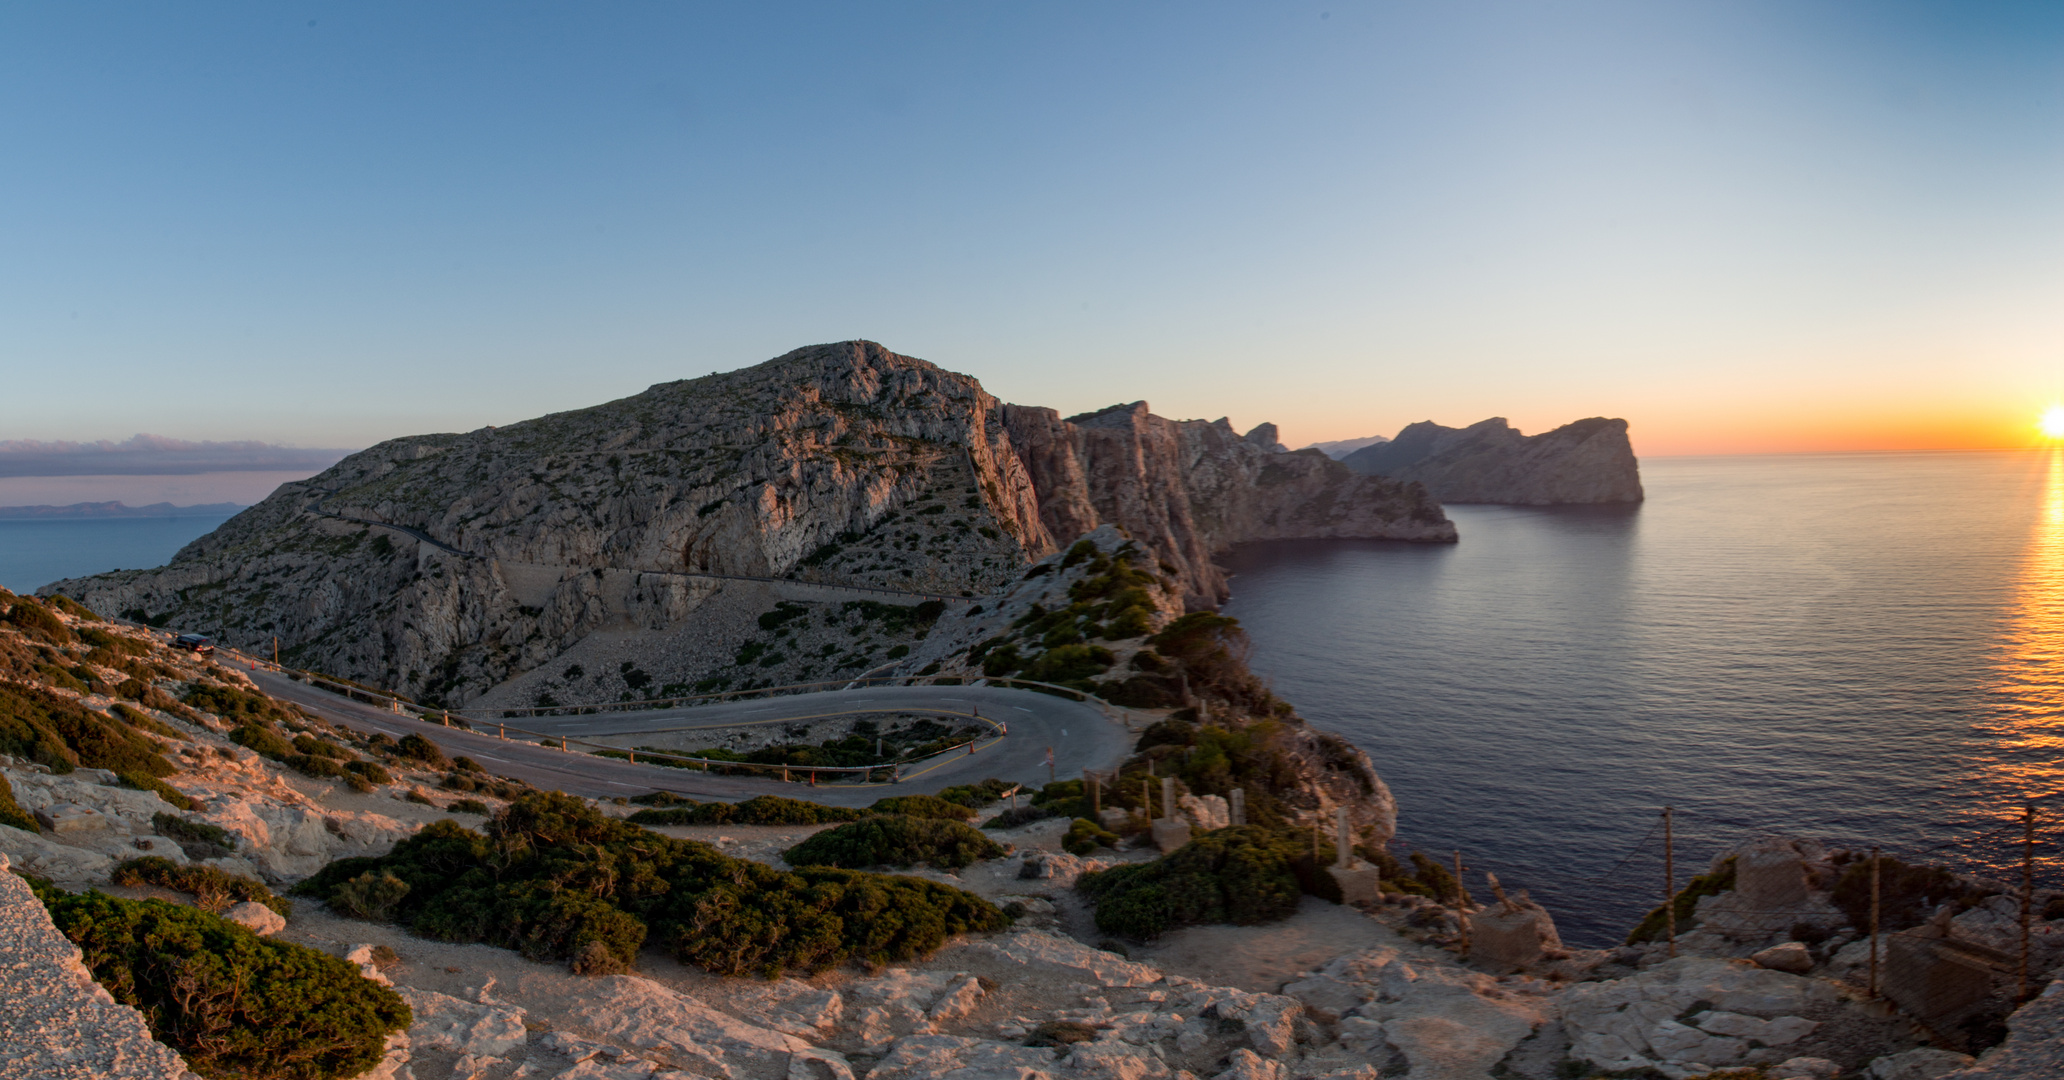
1080	734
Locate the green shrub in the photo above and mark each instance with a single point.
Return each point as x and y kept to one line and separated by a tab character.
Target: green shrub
119	644
234	704
1240	875
260	737
1084	836
206	883
1021	815
895	840
1655	925
236	1006
421	749
72	607
38	620
57	732
11	812
371	770
977	795
467	806
309	744
370	896
758	810
143	721
186	831
553	875
322	768
923	806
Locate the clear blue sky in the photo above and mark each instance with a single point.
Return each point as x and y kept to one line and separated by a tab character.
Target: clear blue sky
330	223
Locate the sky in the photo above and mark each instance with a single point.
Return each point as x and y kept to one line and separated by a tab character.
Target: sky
1745	227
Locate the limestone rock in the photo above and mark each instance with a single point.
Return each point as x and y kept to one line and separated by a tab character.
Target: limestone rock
948	1057
1204	813
642	1013
1589	461
1248	1065
1050	951
2034	1049
1805	1068
1924	1063
257	918
1630	1023
443	1022
1791	956
56	1023
1112	1060
792	1006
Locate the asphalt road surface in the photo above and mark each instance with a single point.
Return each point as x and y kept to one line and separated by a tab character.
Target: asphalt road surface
1081	735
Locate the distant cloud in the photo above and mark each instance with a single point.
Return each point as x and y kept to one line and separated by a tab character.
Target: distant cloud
156	455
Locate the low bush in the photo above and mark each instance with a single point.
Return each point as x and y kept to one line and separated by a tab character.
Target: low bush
371	895
418	748
143	721
57	732
895	840
72	607
1655	925
977	795
1085	836
1020	815
1240	875
236	1006
923	806
38	620
234	704
373	772
552	876
261	738
758	810
467	806
207	884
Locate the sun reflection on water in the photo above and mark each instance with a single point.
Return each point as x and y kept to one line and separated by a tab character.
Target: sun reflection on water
2027	720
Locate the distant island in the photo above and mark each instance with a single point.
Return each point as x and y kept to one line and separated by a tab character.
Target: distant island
89	510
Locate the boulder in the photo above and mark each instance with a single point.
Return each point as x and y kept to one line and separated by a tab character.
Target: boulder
1805	1068
1511	935
1115	1061
956	1002
1169	835
64	819
1791	956
1204	812
1631	1023
792	1006
257	918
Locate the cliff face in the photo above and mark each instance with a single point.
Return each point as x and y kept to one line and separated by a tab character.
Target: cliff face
1589	461
1189	489
442	565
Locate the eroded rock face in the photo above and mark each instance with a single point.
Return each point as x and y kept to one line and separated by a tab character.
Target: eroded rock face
1190	489
1589	461
844	464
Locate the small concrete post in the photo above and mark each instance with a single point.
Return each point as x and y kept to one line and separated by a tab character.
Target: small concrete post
1096	801
1168	796
1239	812
1343	842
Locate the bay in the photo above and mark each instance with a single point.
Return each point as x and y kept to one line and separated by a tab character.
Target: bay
36	553
1864	648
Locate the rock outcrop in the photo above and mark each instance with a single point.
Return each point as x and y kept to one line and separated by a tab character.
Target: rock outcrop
442	565
55	1021
1589	461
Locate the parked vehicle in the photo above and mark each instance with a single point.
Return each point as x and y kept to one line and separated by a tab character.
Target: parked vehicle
200	643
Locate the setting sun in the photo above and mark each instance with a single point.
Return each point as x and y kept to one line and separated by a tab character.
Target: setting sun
2052	422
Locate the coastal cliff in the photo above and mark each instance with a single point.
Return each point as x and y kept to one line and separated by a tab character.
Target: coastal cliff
1589	461
443	565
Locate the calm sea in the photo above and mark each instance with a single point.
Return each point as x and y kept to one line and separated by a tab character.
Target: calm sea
36	553
1864	648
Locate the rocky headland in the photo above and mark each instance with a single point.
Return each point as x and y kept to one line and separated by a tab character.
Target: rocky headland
1589	461
146	774
444	565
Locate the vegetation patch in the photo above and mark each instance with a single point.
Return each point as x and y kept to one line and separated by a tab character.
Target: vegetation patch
198	839
551	876
1085	836
1241	875
923	806
1655	925
896	840
236	1006
11	813
57	732
210	886
758	810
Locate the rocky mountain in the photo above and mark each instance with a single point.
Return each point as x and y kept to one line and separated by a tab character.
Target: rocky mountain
443	565
1340	448
1589	461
